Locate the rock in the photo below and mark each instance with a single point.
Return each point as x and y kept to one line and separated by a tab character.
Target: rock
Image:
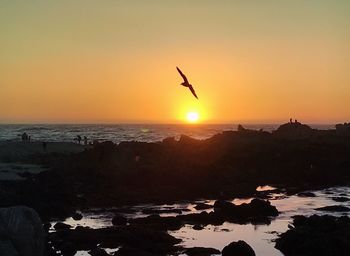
61	226
341	199
316	235
294	130
119	220
239	248
159	211
98	252
334	208
21	232
197	227
257	209
160	223
131	236
47	226
306	194
203	206
77	216
68	249
201	251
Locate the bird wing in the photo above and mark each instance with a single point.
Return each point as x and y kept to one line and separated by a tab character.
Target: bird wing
193	92
182	74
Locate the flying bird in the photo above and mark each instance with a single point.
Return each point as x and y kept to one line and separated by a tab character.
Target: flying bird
186	83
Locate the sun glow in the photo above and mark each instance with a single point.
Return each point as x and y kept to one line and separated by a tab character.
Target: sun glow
192	117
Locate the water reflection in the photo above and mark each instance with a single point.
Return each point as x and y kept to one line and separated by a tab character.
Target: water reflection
260	237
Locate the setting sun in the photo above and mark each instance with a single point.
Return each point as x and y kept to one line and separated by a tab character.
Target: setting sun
192	117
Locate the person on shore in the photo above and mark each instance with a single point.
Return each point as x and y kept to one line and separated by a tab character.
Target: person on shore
85	140
24	136
78	139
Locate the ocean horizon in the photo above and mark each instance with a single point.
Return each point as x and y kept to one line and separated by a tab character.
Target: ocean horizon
126	132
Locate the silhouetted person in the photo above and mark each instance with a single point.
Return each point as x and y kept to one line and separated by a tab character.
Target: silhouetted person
186	83
291	120
44	145
24	136
79	138
85	140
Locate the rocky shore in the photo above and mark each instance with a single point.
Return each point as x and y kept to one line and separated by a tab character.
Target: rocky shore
294	158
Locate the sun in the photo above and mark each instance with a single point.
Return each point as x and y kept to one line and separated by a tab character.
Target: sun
192	117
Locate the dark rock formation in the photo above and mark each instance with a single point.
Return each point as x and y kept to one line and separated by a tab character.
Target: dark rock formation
203	206
98	252
341	199
306	194
21	232
136	237
61	226
119	220
294	130
257	209
316	235
77	216
239	248
201	251
334	208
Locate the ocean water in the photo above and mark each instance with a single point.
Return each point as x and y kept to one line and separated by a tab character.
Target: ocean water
124	132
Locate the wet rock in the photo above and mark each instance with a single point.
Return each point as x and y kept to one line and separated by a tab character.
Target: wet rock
316	235
119	220
46	226
256	209
239	248
68	249
201	251
334	208
160	211
203	206
160	223
139	237
61	226
306	194
341	199
21	232
197	227
98	252
77	216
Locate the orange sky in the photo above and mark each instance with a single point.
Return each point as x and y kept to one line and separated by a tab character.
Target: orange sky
114	61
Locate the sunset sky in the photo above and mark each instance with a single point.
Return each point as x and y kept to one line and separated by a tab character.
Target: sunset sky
111	61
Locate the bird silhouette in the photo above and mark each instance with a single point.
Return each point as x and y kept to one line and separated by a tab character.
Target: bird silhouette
186	83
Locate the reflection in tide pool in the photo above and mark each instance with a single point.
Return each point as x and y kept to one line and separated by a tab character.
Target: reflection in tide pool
260	237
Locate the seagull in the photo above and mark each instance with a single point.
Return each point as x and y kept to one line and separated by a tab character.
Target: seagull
186	83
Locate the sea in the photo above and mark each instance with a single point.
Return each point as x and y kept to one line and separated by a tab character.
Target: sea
125	132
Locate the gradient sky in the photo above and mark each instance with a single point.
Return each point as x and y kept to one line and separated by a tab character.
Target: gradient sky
105	61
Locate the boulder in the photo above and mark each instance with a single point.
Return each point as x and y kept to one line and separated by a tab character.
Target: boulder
239	248
257	209
98	252
21	232
203	206
77	216
119	220
61	226
201	251
334	208
316	235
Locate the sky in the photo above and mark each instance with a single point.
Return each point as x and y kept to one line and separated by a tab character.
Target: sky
114	61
